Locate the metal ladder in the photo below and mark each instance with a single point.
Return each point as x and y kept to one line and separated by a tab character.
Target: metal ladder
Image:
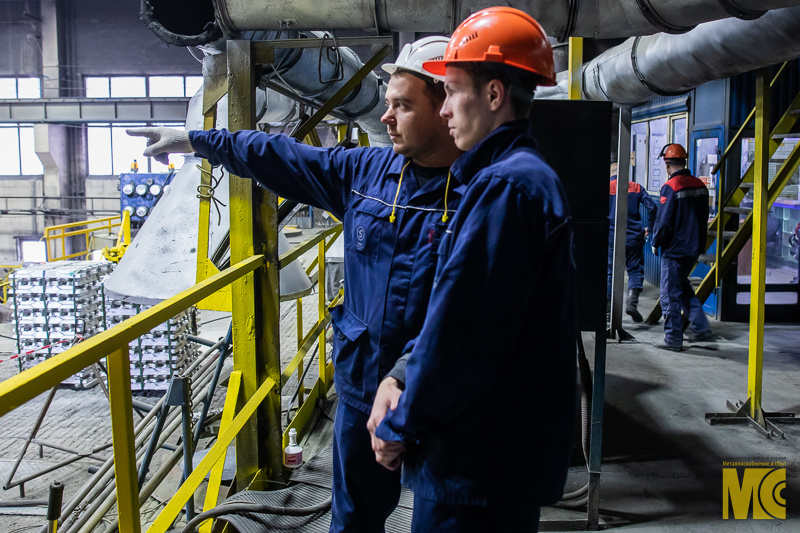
720	260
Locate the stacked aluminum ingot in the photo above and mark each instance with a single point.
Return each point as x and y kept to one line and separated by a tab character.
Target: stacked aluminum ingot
54	305
158	354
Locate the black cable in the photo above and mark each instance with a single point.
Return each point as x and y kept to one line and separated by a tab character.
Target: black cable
301	384
234	508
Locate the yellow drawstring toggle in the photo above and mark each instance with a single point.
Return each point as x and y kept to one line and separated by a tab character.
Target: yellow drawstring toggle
446	189
392	218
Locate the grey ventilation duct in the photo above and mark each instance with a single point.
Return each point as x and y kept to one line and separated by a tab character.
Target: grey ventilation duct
643	68
199	22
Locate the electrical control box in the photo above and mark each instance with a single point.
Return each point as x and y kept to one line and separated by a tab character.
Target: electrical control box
139	193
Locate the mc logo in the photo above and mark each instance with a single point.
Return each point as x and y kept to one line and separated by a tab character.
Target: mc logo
761	486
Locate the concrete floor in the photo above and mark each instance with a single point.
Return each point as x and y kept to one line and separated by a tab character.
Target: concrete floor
662	462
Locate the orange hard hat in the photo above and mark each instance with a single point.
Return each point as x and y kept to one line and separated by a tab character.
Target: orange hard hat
673	151
500	35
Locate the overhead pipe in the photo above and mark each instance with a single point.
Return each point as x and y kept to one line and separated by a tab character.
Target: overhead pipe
643	68
213	19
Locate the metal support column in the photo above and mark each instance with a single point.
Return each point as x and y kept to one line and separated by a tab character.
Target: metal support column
255	297
759	252
575	89
620	226
596	433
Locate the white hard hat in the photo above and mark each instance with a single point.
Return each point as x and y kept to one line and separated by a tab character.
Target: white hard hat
413	55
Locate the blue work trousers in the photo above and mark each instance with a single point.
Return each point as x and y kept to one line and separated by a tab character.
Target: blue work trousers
431	516
634	263
678	296
364	492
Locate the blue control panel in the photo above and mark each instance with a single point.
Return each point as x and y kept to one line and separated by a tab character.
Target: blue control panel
139	193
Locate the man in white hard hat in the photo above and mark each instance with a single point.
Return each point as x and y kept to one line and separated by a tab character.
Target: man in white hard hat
500	332
395	205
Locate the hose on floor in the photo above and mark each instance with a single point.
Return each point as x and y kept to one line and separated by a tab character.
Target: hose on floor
233	508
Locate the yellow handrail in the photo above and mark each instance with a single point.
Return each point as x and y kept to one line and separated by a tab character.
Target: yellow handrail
28	384
746	123
113	344
60	232
6	283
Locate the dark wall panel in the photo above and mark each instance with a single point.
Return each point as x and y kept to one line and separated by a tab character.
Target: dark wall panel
20	54
110	39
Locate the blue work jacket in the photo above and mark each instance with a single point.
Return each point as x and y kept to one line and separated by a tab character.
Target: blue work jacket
487	412
637	196
389	267
682	222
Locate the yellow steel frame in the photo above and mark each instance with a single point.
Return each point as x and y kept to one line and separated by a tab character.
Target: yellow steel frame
123	240
214	87
575	91
59	234
215	477
759	214
256	380
6	283
113	344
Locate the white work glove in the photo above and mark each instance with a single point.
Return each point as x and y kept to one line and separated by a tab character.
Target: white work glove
655	250
163	141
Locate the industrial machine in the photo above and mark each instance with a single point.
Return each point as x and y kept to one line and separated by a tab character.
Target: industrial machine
139	193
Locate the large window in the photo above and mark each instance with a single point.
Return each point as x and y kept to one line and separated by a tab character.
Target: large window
648	137
11	88
142	86
112	151
19	154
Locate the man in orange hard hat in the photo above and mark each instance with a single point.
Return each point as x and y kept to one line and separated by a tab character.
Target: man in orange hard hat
680	232
502	307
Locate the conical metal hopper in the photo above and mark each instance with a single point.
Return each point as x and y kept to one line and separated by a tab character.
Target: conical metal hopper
162	259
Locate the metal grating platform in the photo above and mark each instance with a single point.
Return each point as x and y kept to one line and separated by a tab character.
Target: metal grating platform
313	486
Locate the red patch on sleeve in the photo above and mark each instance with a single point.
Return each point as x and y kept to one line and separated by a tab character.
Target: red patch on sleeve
663	199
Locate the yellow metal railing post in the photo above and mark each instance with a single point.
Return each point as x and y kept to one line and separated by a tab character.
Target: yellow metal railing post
255	298
215	476
300	387
758	270
323	374
119	389
575	68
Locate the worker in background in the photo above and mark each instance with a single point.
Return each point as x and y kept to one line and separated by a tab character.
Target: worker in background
500	332
680	233
634	241
395	205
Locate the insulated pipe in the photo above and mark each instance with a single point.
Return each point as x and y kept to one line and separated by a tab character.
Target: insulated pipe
212	19
643	68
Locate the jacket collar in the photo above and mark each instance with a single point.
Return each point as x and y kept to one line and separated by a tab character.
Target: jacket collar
681	172
505	138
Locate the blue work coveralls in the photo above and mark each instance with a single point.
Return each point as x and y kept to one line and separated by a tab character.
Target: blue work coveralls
634	236
680	231
487	412
389	269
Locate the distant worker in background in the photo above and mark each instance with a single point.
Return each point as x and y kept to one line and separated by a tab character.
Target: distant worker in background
503	305
680	231
634	240
396	205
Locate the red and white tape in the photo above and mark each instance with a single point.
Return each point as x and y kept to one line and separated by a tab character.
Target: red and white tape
16	356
